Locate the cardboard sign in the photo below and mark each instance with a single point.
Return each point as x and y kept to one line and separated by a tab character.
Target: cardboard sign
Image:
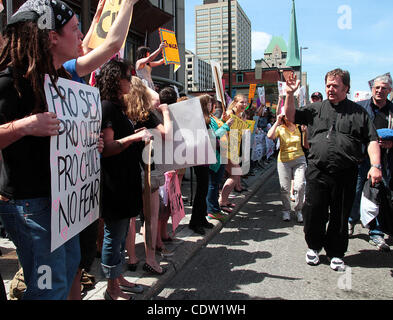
174	198
189	144
251	125
251	92
108	16
171	52
361	95
301	95
74	158
261	95
282	88
217	76
235	138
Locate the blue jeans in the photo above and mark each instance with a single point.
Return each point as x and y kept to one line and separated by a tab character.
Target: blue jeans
48	275
214	188
374	229
113	255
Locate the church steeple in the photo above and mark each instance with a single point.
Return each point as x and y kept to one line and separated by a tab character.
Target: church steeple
293	58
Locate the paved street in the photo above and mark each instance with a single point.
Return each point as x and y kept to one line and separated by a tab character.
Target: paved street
258	256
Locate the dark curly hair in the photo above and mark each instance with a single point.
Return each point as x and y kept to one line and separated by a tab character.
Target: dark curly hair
26	50
108	80
142	52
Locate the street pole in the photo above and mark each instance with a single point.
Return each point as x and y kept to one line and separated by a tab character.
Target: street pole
230	47
301	64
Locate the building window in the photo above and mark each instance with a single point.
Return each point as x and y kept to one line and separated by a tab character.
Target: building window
239	77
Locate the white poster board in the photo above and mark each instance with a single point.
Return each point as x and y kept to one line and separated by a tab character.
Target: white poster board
361	95
74	158
282	86
261	94
301	94
189	143
217	76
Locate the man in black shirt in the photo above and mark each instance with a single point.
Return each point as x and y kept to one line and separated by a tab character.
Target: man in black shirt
338	129
380	110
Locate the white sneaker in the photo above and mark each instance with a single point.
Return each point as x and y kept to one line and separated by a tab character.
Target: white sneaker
337	264
351	229
299	217
312	257
286	216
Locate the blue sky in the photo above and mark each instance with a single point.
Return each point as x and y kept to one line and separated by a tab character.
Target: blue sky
357	38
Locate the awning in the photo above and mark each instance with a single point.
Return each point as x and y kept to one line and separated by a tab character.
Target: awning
148	18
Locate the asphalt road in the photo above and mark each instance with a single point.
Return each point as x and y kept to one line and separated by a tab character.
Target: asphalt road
257	256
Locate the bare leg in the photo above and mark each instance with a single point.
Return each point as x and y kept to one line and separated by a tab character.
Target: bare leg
130	243
151	235
114	290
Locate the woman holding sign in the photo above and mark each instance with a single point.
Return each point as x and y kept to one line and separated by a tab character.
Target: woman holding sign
145	62
28	53
235	110
122	182
90	60
143	114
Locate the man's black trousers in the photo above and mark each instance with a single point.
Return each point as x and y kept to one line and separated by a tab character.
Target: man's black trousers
329	199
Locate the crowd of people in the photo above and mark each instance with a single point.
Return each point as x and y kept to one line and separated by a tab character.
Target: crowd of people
321	163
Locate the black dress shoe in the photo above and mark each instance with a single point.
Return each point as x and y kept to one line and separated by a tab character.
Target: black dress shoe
207	225
197	229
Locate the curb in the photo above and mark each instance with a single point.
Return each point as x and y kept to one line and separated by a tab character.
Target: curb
187	250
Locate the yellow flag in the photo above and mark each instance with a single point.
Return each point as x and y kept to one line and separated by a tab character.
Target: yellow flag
171	52
108	16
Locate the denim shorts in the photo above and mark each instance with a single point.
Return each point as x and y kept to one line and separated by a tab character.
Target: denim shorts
48	275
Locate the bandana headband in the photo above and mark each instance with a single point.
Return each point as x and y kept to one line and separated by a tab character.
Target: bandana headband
49	14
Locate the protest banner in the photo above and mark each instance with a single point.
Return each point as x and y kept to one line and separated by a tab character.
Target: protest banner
361	95
251	92
74	158
282	88
235	138
171	51
175	200
108	16
251	125
189	144
217	76
261	95
301	96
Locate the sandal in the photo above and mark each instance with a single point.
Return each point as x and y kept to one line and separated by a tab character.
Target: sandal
149	268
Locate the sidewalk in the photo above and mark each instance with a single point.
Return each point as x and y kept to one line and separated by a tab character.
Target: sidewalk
189	243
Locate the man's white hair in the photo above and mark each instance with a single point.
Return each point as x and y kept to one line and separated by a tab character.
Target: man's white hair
384	79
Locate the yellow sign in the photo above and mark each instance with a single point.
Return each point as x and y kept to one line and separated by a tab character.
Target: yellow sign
251	92
171	51
235	138
251	125
108	16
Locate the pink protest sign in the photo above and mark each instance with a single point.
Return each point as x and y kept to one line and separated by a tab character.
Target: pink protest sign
174	198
